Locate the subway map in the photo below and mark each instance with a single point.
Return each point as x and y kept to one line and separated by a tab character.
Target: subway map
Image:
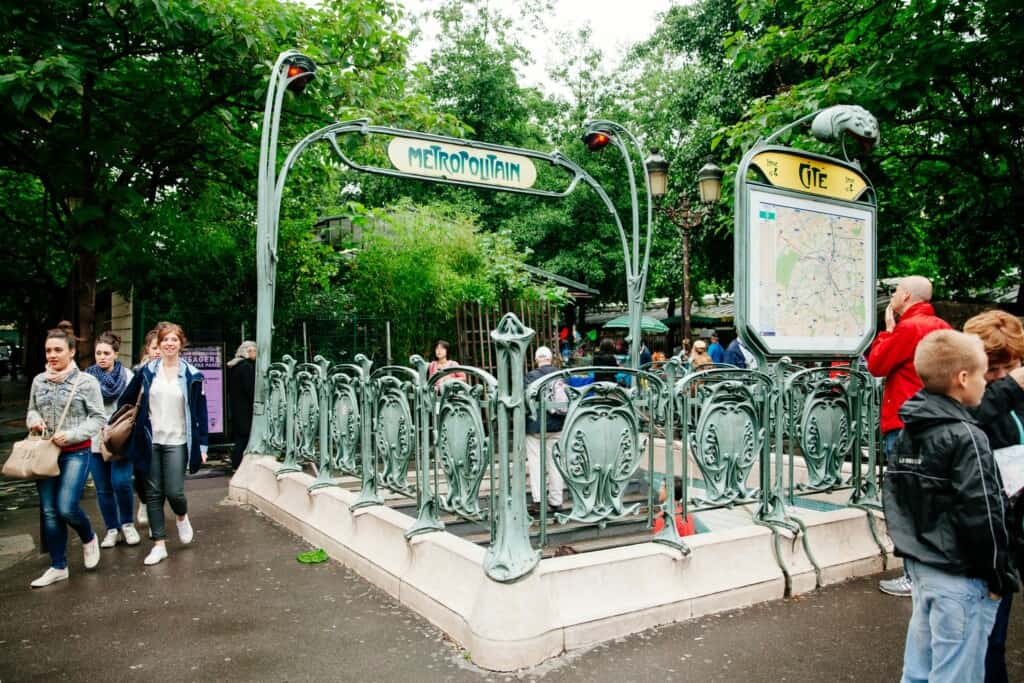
811	265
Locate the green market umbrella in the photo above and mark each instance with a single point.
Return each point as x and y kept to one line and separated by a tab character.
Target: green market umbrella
646	324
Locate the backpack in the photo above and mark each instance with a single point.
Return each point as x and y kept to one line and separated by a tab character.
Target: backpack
556	394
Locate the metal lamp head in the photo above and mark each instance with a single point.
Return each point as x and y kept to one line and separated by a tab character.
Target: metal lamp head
657	173
831	124
709	181
596	140
301	70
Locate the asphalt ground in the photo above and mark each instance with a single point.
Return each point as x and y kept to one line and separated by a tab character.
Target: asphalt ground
237	606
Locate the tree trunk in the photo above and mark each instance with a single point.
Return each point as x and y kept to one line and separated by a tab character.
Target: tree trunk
670	338
83	290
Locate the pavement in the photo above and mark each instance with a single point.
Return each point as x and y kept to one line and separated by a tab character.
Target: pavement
237	606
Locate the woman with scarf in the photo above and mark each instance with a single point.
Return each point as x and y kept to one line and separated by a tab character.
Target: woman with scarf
113	479
65	403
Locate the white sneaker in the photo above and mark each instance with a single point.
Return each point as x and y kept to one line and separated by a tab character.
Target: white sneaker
901	586
110	540
156	555
185	533
142	518
51	575
91	552
131	536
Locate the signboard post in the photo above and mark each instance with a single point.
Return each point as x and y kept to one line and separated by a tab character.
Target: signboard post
209	359
805	254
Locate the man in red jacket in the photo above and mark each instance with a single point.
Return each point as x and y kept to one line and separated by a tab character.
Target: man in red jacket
892	357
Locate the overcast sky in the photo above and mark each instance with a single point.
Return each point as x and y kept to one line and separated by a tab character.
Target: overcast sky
615	25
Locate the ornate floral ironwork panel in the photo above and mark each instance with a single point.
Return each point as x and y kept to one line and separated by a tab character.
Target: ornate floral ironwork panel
307	412
345	423
278	376
599	450
727	439
463	447
394	432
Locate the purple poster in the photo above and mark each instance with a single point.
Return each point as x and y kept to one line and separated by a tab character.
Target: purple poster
210	361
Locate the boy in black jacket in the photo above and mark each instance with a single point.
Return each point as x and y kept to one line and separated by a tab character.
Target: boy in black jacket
946	513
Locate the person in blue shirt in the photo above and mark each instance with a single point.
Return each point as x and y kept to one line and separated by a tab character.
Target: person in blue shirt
734	354
715	349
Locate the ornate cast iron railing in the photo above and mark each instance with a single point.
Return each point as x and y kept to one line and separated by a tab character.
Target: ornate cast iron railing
455	442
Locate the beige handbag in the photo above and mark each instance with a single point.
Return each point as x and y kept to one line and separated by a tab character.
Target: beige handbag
36	457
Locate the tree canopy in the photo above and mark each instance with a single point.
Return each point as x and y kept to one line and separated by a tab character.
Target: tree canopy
129	154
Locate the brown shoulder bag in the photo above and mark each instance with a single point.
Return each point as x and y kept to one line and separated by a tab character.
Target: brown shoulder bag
119	430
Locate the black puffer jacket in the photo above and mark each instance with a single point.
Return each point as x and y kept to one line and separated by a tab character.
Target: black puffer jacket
943	498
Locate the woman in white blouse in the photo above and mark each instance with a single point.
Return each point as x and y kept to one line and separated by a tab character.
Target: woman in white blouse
170	434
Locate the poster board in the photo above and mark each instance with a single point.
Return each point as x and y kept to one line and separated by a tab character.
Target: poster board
209	359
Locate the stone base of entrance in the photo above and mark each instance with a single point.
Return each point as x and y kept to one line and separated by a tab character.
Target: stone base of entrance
567	602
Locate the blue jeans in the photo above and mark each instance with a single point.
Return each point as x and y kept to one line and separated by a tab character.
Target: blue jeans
888	445
995	658
949	628
166	482
113	490
59	499
889	442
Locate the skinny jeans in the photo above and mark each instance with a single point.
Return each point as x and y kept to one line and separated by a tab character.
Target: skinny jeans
60	502
166	482
113	490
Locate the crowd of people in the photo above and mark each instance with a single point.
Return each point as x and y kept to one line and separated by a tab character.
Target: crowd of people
169	436
950	400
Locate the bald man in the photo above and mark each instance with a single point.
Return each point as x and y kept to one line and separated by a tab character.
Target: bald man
892	357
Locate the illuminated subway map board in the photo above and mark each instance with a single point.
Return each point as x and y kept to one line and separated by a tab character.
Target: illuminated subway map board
806	256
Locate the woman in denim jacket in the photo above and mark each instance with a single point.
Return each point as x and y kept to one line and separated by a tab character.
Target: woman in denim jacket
59	496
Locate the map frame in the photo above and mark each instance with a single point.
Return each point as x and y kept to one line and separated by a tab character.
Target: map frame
834	184
767	338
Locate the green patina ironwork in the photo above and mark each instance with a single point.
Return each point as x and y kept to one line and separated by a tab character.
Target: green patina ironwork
324	463
727	413
345	419
427	518
368	465
271	183
509	556
465	420
449	431
394	428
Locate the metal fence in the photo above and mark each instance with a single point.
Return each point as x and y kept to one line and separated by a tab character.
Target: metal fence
454	443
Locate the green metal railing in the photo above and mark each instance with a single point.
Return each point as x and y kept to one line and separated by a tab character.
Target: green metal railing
455	443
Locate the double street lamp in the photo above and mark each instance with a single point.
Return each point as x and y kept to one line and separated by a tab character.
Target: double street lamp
686	217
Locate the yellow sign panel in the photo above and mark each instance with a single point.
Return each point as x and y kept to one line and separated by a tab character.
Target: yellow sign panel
460	162
807	174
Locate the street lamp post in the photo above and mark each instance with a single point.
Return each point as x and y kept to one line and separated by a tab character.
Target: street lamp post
597	136
291	72
685	217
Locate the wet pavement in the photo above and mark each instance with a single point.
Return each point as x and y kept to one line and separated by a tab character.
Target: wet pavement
237	606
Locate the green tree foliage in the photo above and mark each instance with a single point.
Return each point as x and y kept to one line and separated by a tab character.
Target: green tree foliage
418	264
936	75
130	117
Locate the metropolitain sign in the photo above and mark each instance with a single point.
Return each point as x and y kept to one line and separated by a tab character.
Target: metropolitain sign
462	163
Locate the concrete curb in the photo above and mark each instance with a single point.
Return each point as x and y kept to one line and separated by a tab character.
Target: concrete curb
568	602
